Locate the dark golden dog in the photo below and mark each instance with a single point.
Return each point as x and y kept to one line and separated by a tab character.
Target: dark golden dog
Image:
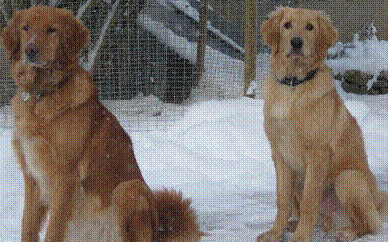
77	161
317	146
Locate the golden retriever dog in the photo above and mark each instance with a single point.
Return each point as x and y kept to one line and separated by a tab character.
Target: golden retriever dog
77	161
317	146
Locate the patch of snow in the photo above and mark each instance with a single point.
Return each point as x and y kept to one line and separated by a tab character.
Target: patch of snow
181	45
185	7
253	86
370	56
190	11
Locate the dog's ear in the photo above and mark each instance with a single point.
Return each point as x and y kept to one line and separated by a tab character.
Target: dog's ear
10	37
327	34
270	29
75	35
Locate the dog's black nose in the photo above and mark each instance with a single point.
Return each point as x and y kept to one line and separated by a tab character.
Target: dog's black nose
32	51
296	42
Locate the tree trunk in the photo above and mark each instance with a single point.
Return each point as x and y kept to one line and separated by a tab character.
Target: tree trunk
201	42
250	45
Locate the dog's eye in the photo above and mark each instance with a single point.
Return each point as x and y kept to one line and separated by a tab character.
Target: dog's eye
26	27
309	27
287	25
51	30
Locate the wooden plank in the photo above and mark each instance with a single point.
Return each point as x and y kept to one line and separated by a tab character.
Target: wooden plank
250	45
201	43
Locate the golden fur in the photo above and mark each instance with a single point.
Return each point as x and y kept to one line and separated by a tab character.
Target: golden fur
317	146
77	161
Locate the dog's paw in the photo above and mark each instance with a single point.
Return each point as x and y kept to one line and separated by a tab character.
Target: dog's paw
292	225
271	235
300	238
346	234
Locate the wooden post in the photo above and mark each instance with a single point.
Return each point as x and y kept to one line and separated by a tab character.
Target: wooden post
250	45
201	42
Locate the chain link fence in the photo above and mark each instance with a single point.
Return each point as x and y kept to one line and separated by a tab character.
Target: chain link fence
143	52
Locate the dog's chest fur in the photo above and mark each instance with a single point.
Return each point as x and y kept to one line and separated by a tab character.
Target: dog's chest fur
290	145
280	129
32	146
90	221
293	126
34	166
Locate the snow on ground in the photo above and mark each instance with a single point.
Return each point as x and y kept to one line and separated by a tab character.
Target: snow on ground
221	156
214	150
218	155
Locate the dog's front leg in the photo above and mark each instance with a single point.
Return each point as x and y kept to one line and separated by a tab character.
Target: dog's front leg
318	162
285	178
34	211
61	206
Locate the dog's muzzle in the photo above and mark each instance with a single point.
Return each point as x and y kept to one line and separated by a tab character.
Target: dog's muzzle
32	54
296	43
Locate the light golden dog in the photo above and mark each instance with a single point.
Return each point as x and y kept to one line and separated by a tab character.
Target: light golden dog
317	146
77	161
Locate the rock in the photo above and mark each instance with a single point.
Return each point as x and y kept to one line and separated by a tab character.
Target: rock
377	90
354	88
338	76
382	78
357	77
381	85
355	81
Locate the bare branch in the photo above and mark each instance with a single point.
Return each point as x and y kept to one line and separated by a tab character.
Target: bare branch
82	9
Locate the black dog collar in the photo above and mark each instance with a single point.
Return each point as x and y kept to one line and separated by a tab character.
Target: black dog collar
294	81
40	94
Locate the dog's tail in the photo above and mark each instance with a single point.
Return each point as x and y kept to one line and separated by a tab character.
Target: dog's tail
177	220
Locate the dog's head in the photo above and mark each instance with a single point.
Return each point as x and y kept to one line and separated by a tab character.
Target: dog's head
41	35
299	34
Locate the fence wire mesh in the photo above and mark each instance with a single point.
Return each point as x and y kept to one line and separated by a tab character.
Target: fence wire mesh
143	53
